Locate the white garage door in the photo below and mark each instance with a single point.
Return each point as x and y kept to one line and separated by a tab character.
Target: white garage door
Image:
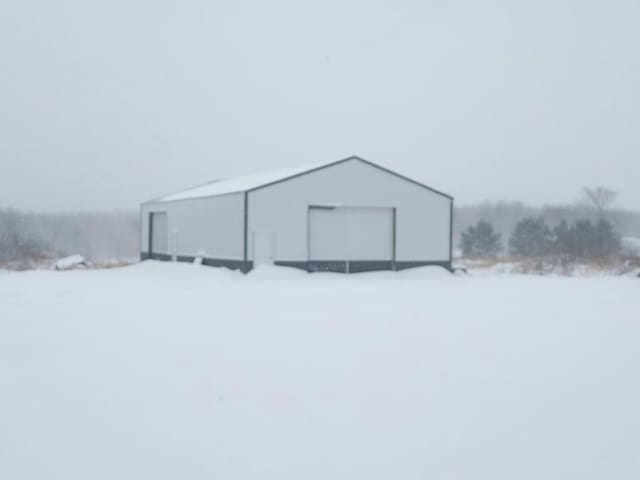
350	233
159	234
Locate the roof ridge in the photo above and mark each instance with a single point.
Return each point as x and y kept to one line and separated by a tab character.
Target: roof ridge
255	181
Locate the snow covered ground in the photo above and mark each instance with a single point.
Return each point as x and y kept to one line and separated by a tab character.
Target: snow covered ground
504	266
175	371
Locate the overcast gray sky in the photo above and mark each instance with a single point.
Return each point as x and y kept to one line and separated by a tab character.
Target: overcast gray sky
105	104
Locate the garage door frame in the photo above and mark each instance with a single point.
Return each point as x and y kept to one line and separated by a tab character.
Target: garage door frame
348	265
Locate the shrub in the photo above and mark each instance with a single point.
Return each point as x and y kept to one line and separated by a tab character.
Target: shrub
583	240
531	237
480	241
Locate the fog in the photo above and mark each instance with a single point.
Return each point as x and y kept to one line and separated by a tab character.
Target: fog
106	104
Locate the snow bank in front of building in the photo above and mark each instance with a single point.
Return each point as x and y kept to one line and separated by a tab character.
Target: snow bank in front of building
288	273
168	370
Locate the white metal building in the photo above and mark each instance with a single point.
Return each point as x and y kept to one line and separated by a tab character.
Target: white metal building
349	215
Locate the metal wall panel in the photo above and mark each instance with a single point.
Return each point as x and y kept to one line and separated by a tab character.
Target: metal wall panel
211	227
422	216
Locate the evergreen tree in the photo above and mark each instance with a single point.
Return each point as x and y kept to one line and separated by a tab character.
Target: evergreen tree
584	240
607	240
531	237
480	240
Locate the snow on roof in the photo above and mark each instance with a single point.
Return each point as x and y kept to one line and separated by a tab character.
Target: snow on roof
250	182
238	184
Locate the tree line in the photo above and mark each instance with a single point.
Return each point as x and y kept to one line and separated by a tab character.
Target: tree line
488	229
505	215
29	239
588	230
533	237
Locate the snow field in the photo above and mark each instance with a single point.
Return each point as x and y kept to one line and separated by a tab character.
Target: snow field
168	371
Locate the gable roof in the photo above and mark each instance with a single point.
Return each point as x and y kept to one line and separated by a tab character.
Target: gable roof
256	181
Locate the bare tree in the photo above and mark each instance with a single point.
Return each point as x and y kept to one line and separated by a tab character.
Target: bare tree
600	197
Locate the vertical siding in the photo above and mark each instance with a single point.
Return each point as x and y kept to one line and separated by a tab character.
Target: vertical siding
422	216
213	225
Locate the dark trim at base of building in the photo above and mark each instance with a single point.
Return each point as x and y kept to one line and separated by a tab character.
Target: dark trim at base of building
358	266
339	266
211	262
405	265
241	265
155	256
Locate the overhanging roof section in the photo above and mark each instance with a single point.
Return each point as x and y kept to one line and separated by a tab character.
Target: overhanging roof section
256	181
